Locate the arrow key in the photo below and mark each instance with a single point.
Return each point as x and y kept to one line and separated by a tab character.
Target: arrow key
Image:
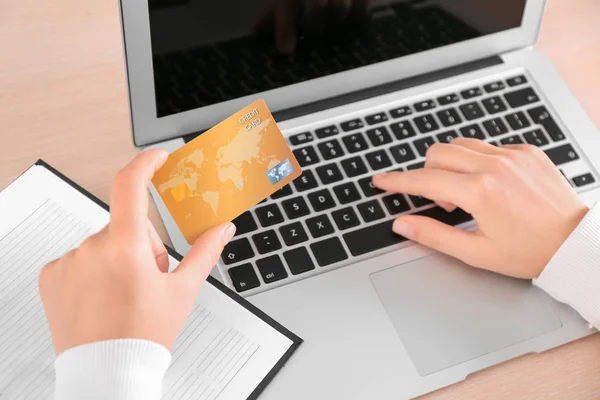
237	251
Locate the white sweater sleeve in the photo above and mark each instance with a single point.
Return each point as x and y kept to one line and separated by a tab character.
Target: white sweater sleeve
573	275
121	369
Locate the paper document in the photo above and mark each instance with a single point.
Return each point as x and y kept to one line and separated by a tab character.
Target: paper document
227	349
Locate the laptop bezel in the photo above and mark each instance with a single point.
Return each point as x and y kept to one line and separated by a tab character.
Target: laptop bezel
148	129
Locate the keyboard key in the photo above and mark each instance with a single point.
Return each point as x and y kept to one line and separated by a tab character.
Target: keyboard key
420	201
346	193
536	138
327	131
403	130
271	269
293	234
424	105
355	142
366	184
495	127
269	215
321	200
516	139
448	99
562	154
517	80
266	241
494	87
426	123
329	251
521	97
582	180
493	143
301	138
376	118
284	191
329	173
295	207
449	117
379	236
402	153
331	149
472	131
236	251
447	137
470	93
471	111
319	226
378	160
396	203
371	238
422	145
306	156
540	115
345	218
299	260
517	121
244	223
456	217
244	277
351	125
400	112
379	136
354	166
306	181
371	210
418	165
494	105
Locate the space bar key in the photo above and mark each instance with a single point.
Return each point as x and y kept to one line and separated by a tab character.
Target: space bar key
379	236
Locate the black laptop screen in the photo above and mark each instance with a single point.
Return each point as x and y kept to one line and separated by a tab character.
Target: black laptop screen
210	51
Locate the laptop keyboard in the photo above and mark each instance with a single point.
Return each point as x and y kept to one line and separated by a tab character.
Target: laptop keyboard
332	215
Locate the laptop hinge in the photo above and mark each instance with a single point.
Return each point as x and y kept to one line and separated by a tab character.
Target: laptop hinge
379	90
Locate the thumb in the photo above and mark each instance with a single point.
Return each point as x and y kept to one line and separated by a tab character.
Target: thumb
204	254
444	238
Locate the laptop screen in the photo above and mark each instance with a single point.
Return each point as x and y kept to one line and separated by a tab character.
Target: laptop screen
210	51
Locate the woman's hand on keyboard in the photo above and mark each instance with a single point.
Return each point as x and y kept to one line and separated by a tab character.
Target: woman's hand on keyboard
116	284
524	207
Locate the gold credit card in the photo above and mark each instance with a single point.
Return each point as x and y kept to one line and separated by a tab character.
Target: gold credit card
226	170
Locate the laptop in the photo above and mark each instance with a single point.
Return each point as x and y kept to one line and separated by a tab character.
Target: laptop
360	87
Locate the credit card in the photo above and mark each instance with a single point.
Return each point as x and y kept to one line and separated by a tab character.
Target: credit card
226	171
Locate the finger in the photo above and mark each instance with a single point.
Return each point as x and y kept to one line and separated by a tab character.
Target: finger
476	145
315	16
204	254
449	207
447	239
158	249
285	27
129	198
434	184
454	158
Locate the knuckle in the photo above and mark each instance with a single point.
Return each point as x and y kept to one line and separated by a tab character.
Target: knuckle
434	151
124	176
485	185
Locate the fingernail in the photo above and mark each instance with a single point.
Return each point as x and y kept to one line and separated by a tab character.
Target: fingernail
404	229
228	232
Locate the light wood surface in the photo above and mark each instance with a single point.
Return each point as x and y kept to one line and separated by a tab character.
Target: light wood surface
63	98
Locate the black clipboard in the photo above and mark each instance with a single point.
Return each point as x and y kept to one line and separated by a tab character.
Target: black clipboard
296	341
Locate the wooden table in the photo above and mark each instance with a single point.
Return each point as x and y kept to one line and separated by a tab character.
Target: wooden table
63	98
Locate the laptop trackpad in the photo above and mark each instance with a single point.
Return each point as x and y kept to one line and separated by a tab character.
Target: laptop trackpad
446	312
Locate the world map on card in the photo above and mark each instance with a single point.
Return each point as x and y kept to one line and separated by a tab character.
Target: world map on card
225	171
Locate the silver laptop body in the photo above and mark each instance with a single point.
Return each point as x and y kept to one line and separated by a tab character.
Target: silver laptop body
381	318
